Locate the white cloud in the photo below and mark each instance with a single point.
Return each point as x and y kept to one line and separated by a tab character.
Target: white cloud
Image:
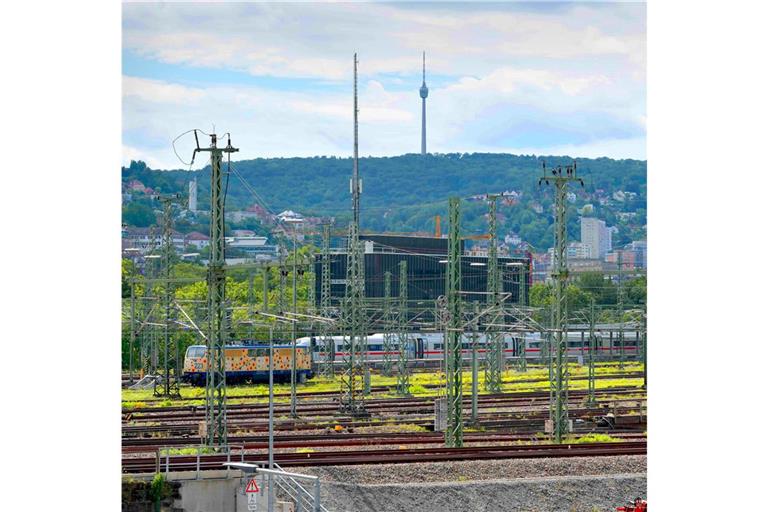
306	40
567	78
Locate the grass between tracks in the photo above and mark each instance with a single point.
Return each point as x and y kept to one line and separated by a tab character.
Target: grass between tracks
534	379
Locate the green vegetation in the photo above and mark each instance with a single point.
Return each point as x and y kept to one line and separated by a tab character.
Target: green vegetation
422	384
160	489
593	285
404	194
591	438
192	450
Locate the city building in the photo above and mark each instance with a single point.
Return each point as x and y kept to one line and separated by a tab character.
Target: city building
147	239
596	237
628	261
574	251
426	259
640	248
197	240
250	247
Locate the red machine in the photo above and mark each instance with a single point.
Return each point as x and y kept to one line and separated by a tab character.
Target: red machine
639	505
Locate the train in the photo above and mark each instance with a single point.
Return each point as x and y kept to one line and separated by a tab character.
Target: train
430	345
249	362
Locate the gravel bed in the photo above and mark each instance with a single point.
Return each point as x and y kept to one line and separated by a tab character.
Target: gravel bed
478	470
543	494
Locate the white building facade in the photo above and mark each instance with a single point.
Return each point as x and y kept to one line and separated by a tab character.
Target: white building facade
595	237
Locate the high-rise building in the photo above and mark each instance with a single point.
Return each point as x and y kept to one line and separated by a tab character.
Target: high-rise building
596	237
193	195
423	92
640	248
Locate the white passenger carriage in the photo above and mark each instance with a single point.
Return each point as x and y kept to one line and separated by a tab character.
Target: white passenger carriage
430	345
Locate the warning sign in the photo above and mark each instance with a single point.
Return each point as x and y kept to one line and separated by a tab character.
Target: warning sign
252	486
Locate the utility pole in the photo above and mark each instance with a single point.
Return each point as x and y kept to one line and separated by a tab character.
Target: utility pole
351	399
591	357
293	333
494	352
388	325
325	303
169	387
521	361
454	432
475	335
620	307
265	290
133	331
403	383
645	350
558	412
216	383
148	342
251	306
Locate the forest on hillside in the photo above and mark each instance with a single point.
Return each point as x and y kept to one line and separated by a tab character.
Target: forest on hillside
404	193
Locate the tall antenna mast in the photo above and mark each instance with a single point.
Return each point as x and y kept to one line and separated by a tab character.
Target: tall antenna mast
355	185
352	387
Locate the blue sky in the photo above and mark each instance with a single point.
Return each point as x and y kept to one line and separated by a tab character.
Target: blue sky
543	78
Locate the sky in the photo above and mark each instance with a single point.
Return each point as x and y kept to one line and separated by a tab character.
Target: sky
538	78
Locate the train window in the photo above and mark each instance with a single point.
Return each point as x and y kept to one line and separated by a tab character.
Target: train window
258	352
438	346
196	352
375	348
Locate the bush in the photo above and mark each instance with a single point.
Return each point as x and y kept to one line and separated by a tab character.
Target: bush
160	489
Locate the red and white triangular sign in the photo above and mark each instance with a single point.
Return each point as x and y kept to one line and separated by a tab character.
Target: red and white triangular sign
252	486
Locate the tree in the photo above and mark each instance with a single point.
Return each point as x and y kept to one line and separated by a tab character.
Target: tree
128	271
598	286
139	215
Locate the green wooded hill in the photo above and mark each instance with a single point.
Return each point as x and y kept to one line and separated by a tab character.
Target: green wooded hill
404	193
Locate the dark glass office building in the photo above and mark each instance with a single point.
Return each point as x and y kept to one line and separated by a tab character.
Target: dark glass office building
426	259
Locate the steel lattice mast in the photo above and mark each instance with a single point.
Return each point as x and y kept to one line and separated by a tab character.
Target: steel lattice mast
132	341
558	410
148	346
403	382
325	303
494	353
591	356
216	384
475	336
521	360
620	307
389	325
454	432
351	401
169	386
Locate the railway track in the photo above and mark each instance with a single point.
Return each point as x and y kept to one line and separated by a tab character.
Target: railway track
385	389
385	456
337	440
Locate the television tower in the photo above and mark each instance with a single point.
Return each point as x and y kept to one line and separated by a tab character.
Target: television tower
423	92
